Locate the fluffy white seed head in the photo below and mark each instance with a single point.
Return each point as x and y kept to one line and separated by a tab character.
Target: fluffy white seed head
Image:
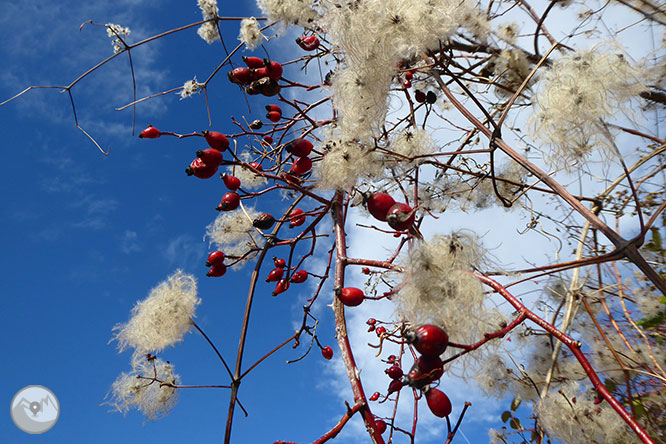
374	36
115	33
570	415
152	398
289	12
208	32
208	8
233	233
250	34
189	88
438	287
578	92
511	68
163	318
344	163
412	143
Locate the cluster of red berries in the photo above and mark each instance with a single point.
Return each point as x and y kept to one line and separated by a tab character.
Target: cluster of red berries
274	114
216	263
260	76
298	277
430	341
383	207
208	160
300	148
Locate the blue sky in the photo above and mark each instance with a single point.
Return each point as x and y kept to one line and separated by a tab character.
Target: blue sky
85	236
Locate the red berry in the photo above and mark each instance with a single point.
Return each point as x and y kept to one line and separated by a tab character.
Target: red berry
425	370
395	386
407	84
438	402
210	156
253	62
295	218
256	166
150	133
280	263
409	75
301	166
299	147
231	182
381	331
201	169
394	372
381	426
371	321
429	340
274	69
275	108
419	96
264	221
327	352
308	43
214	258
273	116
350	296
281	287
299	277
240	76
375	396
275	275
216	140
400	216
217	270
229	202
268	139
259	73
379	205
391	359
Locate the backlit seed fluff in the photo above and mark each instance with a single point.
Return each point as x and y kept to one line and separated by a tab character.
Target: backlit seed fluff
249	33
163	318
208	32
288	12
233	233
576	94
208	8
115	33
189	88
153	398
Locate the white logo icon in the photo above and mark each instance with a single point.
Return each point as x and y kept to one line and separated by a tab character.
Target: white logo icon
35	409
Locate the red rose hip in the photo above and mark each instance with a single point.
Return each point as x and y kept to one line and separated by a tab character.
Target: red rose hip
214	258
379	205
150	133
229	202
327	352
216	140
400	216
351	296
231	182
438	402
429	340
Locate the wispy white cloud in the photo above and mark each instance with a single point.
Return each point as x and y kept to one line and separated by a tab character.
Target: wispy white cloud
184	251
129	242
